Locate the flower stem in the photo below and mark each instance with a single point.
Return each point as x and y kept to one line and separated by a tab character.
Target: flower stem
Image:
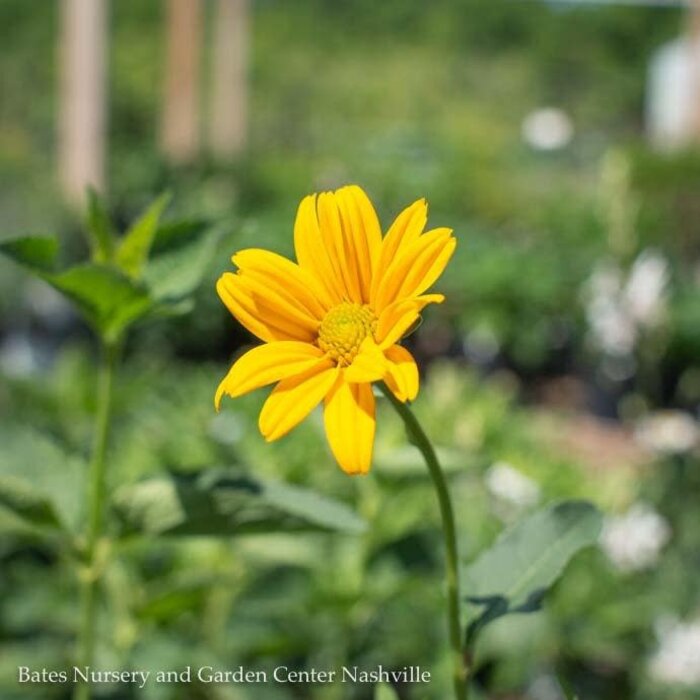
95	507
417	436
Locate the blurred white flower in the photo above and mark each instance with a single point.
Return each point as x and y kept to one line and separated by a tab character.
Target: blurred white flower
611	327
547	129
633	541
511	486
619	306
668	432
677	658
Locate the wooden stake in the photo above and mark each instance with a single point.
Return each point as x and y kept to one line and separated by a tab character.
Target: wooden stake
228	124
83	97
180	117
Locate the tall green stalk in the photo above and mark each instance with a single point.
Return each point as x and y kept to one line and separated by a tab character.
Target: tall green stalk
417	436
95	504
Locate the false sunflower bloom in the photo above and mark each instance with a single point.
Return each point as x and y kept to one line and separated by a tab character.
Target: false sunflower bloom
332	322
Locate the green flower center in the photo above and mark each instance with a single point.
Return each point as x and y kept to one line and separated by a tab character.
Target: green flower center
343	329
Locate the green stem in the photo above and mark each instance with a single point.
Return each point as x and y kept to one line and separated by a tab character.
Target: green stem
418	437
95	503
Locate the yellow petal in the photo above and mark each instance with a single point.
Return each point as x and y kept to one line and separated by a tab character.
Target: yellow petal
338	246
399	316
402	377
225	286
428	267
262	311
349	419
362	235
281	306
407	226
310	248
416	268
298	286
369	364
269	363
293	399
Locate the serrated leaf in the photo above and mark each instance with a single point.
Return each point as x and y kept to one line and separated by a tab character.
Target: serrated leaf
225	504
135	246
99	228
37	253
106	298
514	575
39	483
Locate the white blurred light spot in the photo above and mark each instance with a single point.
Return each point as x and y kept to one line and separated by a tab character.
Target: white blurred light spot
633	541
508	484
668	432
547	129
677	658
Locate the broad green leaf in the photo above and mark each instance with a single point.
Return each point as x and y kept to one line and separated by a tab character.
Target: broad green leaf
514	575
39	483
108	300
99	229
135	246
37	253
181	255
223	503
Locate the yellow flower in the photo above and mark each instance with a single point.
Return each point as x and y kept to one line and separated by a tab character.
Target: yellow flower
332	322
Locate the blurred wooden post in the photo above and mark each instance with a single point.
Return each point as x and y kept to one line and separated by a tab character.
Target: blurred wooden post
180	117
694	43
228	126
83	96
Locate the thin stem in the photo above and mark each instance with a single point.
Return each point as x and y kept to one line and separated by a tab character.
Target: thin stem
417	436
95	503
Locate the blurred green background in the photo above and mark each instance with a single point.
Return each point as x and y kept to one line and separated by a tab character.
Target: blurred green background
565	362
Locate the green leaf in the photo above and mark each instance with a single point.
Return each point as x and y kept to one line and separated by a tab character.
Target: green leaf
135	246
23	501
39	483
173	235
181	255
514	575
99	229
106	298
37	253
223	503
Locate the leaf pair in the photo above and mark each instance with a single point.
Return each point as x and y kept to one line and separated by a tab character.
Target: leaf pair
131	252
122	283
42	487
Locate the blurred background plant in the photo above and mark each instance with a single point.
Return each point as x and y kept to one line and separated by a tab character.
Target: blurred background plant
565	363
